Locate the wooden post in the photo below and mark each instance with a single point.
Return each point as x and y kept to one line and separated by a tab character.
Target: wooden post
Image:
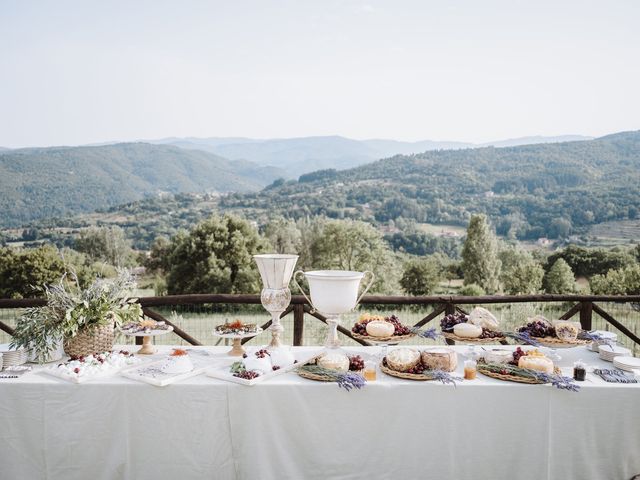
298	324
586	311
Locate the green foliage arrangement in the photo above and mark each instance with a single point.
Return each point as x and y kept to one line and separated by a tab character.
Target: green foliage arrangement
71	309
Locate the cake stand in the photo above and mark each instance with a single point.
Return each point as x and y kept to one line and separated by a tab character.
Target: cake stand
147	347
237	350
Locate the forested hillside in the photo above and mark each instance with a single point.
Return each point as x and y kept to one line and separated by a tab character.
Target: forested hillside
531	191
53	182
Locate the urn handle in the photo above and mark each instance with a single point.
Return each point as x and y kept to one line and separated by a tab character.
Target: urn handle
366	289
295	281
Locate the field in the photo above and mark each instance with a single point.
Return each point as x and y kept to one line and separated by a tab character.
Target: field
200	320
623	232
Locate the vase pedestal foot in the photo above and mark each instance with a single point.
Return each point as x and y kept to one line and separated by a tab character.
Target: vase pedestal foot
237	350
147	347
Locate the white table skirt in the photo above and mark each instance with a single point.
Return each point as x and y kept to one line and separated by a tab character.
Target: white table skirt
292	428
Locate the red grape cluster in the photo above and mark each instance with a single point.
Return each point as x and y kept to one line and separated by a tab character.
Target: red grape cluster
417	370
262	353
516	356
360	328
247	374
356	363
400	329
451	320
486	333
538	328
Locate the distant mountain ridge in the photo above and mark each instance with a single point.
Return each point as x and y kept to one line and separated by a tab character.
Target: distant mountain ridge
306	154
58	181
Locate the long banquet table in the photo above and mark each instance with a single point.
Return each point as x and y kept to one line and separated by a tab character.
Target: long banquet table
293	428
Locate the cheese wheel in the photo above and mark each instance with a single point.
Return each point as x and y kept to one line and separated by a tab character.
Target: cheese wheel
483	318
403	359
380	328
467	330
440	358
334	361
540	364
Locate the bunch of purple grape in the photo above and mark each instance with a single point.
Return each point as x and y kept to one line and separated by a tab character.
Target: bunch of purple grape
262	353
451	320
247	374
356	363
516	356
361	327
417	370
400	329
538	328
486	333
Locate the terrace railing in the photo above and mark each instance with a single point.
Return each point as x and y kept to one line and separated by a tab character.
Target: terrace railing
583	306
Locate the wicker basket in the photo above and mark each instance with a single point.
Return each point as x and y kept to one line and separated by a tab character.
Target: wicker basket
455	338
90	340
314	376
555	342
420	377
513	378
392	340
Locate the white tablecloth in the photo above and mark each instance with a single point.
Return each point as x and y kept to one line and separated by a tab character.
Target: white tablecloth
292	428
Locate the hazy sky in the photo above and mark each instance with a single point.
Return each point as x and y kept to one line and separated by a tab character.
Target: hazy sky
74	72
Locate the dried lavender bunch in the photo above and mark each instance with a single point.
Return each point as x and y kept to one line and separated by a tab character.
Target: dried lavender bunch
523	337
429	333
346	380
594	337
558	381
442	376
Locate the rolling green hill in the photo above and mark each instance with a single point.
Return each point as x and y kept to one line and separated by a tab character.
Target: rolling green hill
529	191
53	182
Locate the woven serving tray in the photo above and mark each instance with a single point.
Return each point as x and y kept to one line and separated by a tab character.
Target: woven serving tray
454	337
513	378
407	376
554	342
314	376
389	340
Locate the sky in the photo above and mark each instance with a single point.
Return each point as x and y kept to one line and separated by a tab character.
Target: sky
78	72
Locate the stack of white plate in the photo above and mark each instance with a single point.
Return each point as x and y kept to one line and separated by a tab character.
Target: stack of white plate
627	363
609	352
607	337
12	356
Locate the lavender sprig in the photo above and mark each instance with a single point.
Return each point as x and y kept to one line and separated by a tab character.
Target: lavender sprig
523	337
558	381
346	380
594	337
429	333
442	376
351	380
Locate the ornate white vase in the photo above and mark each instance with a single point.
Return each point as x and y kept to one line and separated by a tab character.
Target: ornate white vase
275	271
334	292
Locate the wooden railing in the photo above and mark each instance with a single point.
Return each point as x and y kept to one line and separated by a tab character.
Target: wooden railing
585	306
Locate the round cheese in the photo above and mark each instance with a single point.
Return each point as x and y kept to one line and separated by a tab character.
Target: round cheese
566	330
440	358
403	359
334	361
467	330
483	318
380	328
540	364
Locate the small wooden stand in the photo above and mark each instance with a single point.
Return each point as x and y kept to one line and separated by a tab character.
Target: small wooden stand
147	347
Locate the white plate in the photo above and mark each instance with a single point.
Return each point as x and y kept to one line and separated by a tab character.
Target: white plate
222	372
152	333
238	335
627	363
152	374
55	372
